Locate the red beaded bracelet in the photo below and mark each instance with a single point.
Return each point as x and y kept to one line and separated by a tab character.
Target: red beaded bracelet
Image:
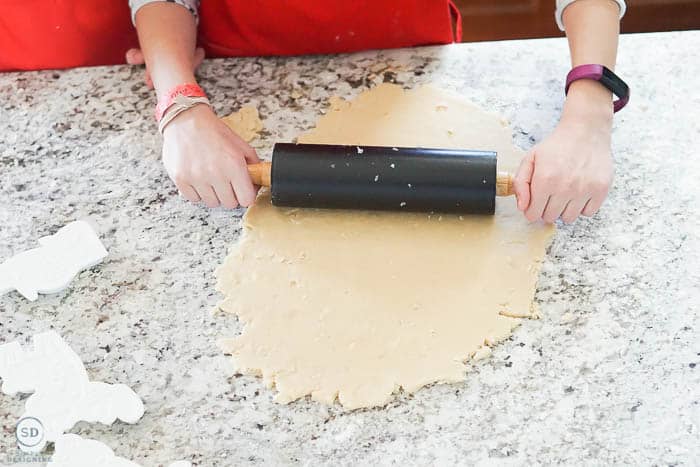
189	90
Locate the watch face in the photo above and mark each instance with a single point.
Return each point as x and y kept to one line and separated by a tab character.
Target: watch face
615	84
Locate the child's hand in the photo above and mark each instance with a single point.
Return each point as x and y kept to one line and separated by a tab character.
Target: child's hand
135	57
569	173
207	161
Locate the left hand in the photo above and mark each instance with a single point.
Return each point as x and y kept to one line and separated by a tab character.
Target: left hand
569	173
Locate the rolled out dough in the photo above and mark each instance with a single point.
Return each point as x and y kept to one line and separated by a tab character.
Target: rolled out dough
352	306
245	123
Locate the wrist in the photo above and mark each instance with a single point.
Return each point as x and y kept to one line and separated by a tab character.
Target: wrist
589	100
163	84
177	100
187	119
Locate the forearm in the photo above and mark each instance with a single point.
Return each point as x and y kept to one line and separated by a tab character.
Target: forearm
592	29
167	35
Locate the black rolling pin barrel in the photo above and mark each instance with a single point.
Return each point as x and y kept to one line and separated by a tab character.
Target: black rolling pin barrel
383	178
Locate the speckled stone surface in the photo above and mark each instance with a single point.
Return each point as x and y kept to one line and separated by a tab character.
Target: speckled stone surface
608	375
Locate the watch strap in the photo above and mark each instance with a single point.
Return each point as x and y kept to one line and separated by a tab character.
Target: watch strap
604	76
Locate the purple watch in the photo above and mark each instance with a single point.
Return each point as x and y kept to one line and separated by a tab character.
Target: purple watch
604	76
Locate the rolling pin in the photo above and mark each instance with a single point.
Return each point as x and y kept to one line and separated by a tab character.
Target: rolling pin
382	178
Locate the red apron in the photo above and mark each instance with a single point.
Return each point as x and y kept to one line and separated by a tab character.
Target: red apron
40	34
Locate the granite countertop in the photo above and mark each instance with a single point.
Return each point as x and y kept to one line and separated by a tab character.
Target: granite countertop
608	375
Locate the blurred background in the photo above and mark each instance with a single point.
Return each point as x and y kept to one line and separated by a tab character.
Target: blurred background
484	20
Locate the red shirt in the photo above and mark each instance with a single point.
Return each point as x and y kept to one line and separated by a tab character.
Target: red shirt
39	34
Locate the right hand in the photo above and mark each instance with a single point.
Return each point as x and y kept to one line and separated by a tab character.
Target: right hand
135	57
207	161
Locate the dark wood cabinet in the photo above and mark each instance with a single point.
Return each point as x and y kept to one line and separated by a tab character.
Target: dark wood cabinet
521	19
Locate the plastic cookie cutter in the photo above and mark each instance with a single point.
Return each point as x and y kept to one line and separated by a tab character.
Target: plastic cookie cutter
61	391
52	266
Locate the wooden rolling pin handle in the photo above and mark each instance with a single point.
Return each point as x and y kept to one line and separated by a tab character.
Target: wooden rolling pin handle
504	184
261	173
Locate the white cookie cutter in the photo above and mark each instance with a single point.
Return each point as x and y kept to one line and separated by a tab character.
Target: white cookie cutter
52	266
62	394
74	451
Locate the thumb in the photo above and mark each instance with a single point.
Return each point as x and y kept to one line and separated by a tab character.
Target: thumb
521	182
134	57
250	154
